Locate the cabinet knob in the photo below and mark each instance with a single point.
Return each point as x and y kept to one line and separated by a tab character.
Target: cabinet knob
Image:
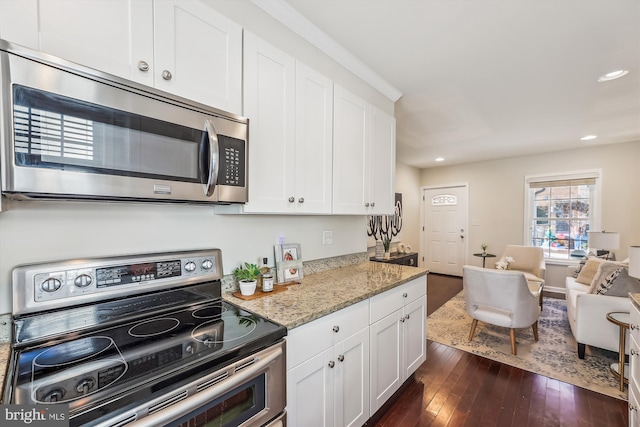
292	199
408	316
373	204
633	408
143	66
341	357
404	295
366	205
403	319
166	74
635	352
301	200
332	364
336	328
633	327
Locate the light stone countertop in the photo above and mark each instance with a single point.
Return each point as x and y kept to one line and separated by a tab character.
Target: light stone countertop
323	293
635	299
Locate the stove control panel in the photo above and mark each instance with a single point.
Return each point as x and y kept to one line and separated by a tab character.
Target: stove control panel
76	282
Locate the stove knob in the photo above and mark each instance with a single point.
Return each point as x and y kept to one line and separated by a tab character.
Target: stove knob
51	284
190	348
82	281
207	264
190	267
85	385
54	395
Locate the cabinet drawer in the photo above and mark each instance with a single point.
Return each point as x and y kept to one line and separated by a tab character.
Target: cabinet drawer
386	303
634	322
314	337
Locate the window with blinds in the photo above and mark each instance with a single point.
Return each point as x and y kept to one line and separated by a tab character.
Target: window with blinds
46	133
561	211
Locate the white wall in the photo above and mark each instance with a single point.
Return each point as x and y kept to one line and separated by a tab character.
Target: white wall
496	192
408	183
33	232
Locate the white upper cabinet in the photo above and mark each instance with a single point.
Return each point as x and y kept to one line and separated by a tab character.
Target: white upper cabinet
363	157
180	46
197	53
289	107
314	141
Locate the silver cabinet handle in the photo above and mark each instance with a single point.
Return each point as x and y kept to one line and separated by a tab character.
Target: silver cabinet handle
407	316
366	205
143	66
166	74
373	204
633	408
341	357
336	328
405	295
291	199
403	319
332	364
633	327
635	352
301	200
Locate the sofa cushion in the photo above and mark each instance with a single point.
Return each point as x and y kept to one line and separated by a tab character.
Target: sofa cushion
617	283
589	270
605	269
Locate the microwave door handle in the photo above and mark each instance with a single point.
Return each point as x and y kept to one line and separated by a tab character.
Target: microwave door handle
214	158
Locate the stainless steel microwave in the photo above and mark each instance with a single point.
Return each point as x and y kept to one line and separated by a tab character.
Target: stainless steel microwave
71	132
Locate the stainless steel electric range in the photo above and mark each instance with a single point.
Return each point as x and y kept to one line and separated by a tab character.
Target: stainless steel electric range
143	340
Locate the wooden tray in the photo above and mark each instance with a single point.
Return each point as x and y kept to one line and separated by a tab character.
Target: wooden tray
277	288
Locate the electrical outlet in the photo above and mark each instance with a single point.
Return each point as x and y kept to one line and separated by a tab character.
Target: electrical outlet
327	237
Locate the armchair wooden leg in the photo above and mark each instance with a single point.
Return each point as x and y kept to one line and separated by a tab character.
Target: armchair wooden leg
473	328
535	330
512	335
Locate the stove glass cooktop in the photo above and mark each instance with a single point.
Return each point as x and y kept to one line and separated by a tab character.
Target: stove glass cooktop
83	368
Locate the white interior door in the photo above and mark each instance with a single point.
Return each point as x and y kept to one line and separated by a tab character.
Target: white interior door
444	229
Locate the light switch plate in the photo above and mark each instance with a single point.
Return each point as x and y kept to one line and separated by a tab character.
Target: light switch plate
327	237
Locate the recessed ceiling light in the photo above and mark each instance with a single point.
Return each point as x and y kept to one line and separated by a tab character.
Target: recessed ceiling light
588	137
613	75
440	159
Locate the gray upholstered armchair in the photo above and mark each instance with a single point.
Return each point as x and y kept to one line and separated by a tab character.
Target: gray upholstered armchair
502	298
528	259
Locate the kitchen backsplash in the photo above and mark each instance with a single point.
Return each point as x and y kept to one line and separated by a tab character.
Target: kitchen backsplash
308	267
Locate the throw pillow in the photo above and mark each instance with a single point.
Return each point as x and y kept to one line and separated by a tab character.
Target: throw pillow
605	272
589	271
619	284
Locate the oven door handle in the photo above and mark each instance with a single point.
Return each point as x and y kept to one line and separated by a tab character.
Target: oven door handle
212	161
184	407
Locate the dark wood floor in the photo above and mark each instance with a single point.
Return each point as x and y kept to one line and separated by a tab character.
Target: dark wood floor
455	388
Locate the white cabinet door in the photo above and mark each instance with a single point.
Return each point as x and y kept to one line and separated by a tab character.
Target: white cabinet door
350	136
414	336
108	35
310	392
351	384
382	162
269	103
386	359
198	54
19	22
314	141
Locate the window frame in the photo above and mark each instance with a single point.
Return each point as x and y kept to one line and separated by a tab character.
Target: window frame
529	202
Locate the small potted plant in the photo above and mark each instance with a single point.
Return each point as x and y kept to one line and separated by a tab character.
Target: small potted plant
484	247
386	242
247	276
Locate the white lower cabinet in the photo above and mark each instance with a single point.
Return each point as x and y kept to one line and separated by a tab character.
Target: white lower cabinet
634	365
398	338
328	370
341	368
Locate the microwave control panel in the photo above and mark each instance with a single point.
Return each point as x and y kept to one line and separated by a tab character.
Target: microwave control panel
232	161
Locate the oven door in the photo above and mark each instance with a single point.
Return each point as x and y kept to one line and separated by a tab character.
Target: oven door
251	392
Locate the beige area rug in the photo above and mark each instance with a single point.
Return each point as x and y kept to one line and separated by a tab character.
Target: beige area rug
554	355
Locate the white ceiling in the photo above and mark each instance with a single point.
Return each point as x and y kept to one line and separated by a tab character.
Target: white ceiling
485	79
